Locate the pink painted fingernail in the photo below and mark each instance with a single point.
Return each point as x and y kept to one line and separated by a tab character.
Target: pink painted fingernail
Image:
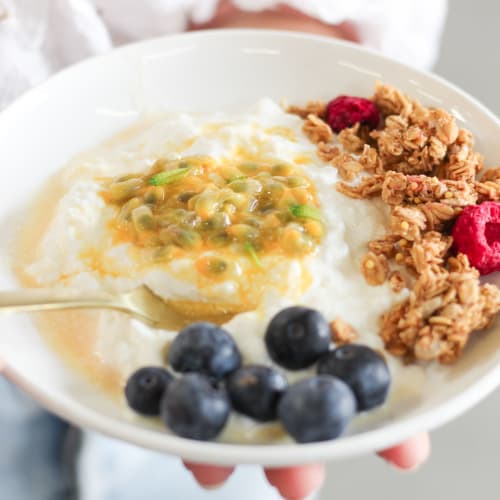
410	454
212	486
209	476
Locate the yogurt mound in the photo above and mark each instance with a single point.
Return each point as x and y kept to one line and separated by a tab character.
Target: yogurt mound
83	249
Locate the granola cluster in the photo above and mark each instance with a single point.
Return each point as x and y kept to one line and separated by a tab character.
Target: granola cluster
446	304
342	332
424	167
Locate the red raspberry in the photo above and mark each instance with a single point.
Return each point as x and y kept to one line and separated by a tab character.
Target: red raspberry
345	111
477	234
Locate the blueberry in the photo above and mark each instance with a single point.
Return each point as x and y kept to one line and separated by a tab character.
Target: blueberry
297	336
145	388
363	369
317	409
255	391
204	348
193	408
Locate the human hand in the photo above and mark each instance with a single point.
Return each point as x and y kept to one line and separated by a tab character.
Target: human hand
295	483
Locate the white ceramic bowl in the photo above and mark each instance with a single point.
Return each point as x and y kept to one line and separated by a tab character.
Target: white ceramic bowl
210	71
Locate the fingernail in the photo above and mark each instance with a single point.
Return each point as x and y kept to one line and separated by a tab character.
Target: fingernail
312	496
215	486
209	486
395	465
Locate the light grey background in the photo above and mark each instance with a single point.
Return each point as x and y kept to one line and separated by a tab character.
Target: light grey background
465	461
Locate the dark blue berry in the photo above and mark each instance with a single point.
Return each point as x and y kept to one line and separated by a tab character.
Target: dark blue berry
297	336
255	391
204	348
145	388
363	369
193	408
317	409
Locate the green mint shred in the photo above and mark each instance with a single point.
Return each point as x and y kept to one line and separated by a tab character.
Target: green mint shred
167	177
253	254
306	212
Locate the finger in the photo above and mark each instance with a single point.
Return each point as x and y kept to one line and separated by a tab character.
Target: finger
410	454
296	483
209	476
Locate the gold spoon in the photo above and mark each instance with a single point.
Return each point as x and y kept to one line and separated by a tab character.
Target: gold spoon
140	303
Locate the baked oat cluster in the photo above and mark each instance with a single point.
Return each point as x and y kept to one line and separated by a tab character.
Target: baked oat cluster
342	332
423	166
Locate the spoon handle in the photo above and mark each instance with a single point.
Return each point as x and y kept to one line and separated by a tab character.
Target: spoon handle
39	299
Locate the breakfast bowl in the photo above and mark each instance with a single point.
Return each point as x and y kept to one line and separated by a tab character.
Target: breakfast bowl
220	75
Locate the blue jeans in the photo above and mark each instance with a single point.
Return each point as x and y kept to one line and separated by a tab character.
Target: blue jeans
37	450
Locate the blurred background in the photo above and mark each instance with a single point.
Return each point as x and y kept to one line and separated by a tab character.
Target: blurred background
465	457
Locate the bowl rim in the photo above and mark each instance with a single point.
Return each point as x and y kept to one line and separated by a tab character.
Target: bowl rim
264	454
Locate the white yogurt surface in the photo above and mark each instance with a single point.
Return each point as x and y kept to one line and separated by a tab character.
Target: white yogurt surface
337	288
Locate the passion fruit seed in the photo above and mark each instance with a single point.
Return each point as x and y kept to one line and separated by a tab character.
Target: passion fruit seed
125	213
220	240
230	173
220	220
249	168
250	186
274	190
283	169
206	205
243	232
154	194
187	239
216	265
186	196
295	181
124	190
142	218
